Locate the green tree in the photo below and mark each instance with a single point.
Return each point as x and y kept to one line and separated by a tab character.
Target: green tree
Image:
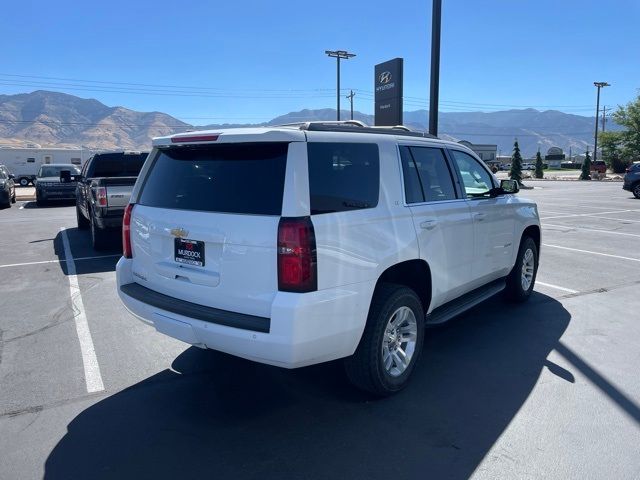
586	168
628	116
516	164
611	143
539	173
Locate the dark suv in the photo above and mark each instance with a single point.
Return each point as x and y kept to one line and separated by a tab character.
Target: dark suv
7	187
632	179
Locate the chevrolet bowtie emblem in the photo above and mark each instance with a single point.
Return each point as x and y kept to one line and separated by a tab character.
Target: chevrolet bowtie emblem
179	232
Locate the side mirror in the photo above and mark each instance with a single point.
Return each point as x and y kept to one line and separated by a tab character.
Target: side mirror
506	187
11	176
509	186
65	176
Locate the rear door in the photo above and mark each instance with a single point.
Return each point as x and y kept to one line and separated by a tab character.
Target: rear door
442	220
204	228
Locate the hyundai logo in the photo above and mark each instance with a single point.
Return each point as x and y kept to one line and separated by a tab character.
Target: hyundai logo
385	77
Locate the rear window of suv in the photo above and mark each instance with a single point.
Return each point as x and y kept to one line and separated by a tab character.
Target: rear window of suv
343	176
117	164
243	178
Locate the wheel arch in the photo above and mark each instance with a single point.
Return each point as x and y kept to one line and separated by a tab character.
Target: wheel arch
533	231
414	274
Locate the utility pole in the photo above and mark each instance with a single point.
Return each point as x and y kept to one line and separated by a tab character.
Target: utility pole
350	97
598	85
434	91
604	117
338	54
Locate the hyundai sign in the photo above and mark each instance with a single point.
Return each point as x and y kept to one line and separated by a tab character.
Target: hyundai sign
388	93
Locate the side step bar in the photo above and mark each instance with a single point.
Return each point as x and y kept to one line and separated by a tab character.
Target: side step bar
465	302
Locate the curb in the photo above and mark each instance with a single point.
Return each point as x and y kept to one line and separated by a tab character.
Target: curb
25	198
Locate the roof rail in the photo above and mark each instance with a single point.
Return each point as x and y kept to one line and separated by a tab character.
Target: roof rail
355	126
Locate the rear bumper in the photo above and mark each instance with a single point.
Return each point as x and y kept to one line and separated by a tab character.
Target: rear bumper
303	329
109	222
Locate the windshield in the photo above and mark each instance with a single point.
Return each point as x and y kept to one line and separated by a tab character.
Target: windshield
54	170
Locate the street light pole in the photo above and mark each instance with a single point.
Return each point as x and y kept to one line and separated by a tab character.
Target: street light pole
435	67
338	54
598	85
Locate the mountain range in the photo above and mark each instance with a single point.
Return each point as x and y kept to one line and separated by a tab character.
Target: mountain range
59	119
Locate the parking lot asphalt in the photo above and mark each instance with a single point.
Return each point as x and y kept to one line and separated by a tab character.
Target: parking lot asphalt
547	389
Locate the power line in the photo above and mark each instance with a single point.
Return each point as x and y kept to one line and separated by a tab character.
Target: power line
161	86
186	90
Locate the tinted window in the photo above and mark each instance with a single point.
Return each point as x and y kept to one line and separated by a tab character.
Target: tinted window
231	178
117	165
477	181
434	174
412	187
343	176
54	171
3	176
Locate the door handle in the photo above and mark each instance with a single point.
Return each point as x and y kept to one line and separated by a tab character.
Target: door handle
429	224
479	216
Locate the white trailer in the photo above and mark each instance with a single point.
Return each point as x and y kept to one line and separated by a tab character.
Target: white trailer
24	163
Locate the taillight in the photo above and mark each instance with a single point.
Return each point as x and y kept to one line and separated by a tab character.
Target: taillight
101	196
297	265
126	232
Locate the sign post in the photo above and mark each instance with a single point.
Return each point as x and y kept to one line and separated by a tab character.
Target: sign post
388	93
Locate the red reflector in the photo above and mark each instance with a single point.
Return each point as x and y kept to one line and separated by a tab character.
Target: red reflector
297	264
195	138
126	232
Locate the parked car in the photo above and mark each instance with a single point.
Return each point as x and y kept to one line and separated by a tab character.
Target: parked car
632	179
528	166
306	243
7	187
598	166
506	166
50	187
103	192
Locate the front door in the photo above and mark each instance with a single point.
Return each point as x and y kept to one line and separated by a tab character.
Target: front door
493	220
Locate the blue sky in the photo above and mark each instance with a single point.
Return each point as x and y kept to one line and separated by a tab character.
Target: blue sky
248	61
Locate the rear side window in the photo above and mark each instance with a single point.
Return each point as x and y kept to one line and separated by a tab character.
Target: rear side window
343	176
426	175
117	165
229	178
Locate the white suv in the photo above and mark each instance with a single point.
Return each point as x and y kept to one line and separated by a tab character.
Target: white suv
306	243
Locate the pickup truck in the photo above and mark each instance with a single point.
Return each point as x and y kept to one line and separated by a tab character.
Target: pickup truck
103	190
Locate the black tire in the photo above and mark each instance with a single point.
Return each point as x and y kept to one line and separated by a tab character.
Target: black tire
365	367
98	236
515	291
83	223
24	182
40	202
13	199
636	190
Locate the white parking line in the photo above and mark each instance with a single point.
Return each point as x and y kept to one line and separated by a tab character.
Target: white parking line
57	261
595	215
92	375
592	253
620	219
21	206
571	227
548	285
